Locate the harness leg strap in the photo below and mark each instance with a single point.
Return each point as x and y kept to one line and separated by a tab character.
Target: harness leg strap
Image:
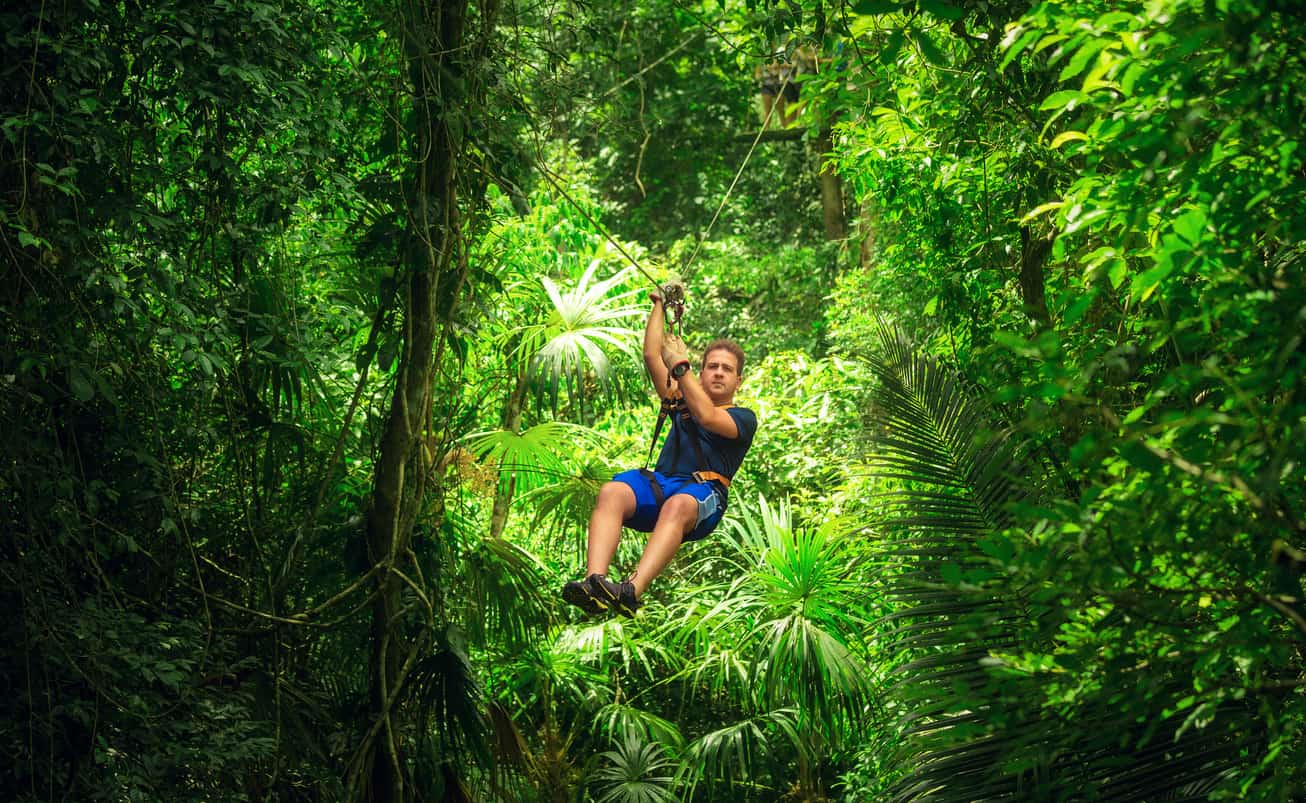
659	495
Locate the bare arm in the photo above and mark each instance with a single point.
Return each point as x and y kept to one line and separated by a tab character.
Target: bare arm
653	335
712	418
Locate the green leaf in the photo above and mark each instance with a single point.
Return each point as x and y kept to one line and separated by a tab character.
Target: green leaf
1116	271
1135	414
1068	136
1256	199
941	9
1076	310
929	49
951	573
532	457
870	7
889	53
80	384
1081	58
1016	47
1140	457
1145	284
1066	100
1050	40
1190	225
1042	209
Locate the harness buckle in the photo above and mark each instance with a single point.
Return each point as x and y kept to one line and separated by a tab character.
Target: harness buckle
711	476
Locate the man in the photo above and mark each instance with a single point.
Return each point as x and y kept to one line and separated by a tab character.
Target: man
685	497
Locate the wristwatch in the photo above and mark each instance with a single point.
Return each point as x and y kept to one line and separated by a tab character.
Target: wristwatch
680	370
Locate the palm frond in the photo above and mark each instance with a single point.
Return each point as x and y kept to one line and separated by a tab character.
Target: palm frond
503	601
947	476
808	665
564	506
626	719
532	458
451	700
796	606
636	771
968	727
954	468
610	649
584	321
720	672
547	673
738	752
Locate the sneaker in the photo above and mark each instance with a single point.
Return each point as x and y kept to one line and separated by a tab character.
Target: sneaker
620	597
577	592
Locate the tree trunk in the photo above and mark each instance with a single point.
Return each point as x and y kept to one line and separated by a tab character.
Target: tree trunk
1033	256
836	227
432	35
866	228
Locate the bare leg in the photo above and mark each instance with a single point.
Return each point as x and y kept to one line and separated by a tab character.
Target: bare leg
788	114
764	101
676	519
616	502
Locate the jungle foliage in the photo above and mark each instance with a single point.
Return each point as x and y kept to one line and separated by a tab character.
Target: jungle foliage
320	336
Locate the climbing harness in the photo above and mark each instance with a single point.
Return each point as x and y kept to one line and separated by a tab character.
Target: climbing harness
677	406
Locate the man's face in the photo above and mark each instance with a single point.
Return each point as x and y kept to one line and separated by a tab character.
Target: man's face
720	375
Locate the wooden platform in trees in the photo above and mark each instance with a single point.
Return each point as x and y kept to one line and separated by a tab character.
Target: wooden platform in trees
773	135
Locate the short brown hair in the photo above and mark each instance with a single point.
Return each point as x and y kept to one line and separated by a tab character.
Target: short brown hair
725	344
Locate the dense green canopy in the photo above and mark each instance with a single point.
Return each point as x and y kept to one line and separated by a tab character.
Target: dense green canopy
320	333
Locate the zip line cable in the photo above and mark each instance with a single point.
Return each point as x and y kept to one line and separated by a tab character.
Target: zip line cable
557	185
673	51
553	179
738	174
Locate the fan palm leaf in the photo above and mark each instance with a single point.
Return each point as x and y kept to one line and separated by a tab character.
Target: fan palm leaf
564	506
636	771
546	674
794	605
451	699
584	321
531	458
626	719
739	751
774	642
502	599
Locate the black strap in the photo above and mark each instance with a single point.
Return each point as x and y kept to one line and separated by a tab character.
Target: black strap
691	429
667	406
677	405
659	495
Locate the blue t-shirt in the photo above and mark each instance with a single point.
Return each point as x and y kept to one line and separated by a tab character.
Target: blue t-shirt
722	455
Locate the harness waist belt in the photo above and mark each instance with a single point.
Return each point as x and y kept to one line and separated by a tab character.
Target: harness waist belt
706	476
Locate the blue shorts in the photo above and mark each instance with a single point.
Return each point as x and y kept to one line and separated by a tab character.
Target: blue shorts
711	501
